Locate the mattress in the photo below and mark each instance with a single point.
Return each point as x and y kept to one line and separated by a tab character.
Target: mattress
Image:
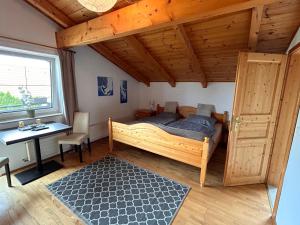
183	127
196	135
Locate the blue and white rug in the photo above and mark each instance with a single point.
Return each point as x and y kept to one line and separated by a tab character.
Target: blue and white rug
113	191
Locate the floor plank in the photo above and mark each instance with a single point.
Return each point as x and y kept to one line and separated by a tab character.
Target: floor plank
214	204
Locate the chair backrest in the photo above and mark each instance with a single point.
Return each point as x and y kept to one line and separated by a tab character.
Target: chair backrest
81	122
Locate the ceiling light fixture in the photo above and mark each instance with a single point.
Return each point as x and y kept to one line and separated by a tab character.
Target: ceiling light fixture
98	5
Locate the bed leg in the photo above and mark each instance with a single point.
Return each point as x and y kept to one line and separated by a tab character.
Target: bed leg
204	161
110	135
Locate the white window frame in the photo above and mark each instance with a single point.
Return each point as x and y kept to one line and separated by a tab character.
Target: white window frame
56	87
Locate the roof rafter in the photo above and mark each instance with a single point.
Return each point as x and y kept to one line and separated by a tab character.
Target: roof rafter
147	15
257	13
60	18
180	30
107	53
139	48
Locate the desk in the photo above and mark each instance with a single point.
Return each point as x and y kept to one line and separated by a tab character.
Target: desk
13	136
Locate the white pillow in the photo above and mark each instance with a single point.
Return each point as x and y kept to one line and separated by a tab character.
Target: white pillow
171	107
205	109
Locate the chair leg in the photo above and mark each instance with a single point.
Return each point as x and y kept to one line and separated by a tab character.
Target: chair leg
89	145
80	153
61	153
8	175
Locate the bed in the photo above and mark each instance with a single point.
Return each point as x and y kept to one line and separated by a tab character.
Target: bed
155	138
163	118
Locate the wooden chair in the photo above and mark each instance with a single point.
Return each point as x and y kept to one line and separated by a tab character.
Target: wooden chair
4	161
79	134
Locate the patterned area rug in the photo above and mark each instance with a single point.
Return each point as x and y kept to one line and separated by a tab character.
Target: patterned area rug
113	191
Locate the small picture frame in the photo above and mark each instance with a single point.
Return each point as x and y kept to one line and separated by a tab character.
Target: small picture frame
123	91
105	86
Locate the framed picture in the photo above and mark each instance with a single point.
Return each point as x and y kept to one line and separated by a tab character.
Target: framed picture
105	86
123	91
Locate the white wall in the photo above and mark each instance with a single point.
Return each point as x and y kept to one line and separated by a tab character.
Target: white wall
189	93
295	40
21	21
289	204
89	65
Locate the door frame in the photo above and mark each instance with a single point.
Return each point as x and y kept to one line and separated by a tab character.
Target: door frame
295	49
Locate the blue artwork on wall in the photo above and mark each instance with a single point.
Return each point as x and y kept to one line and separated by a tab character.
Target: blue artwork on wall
105	86
123	91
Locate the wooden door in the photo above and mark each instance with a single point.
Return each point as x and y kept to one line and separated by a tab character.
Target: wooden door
258	89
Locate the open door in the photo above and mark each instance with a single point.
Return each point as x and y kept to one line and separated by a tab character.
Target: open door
259	85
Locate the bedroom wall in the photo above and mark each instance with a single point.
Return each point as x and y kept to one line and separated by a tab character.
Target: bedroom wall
21	21
220	94
89	65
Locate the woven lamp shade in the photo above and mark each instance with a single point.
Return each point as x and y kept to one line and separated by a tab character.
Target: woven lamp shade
98	5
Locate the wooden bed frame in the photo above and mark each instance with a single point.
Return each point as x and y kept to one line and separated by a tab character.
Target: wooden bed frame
153	139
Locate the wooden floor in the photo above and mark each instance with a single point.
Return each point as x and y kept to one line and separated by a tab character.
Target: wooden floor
33	203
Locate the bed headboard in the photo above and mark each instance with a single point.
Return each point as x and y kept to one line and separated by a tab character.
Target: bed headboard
160	109
185	111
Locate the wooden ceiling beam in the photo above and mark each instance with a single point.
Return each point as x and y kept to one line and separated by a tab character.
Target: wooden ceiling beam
147	15
181	33
146	56
64	21
108	54
256	18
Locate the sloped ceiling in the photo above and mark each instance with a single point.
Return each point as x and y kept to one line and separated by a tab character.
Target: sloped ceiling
215	42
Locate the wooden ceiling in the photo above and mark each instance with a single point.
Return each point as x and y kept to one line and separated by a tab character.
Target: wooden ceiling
204	50
77	13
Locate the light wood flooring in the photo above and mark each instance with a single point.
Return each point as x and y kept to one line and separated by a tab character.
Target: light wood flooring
214	204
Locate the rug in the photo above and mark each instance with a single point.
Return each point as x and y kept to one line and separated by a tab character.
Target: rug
113	191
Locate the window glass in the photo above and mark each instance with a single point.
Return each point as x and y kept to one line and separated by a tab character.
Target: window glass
25	83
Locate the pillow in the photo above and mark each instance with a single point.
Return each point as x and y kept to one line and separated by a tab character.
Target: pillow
171	107
206	121
205	109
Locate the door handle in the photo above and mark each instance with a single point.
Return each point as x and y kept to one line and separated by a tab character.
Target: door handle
235	122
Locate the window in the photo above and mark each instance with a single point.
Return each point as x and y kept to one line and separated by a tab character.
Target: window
28	81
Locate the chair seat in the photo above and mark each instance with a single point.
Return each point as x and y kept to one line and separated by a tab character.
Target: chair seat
3	161
72	139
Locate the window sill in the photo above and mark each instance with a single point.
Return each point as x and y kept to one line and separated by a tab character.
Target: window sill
29	120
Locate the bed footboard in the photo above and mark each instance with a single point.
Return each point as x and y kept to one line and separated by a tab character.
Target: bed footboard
153	139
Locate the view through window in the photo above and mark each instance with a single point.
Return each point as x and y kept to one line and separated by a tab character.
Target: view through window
25	83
